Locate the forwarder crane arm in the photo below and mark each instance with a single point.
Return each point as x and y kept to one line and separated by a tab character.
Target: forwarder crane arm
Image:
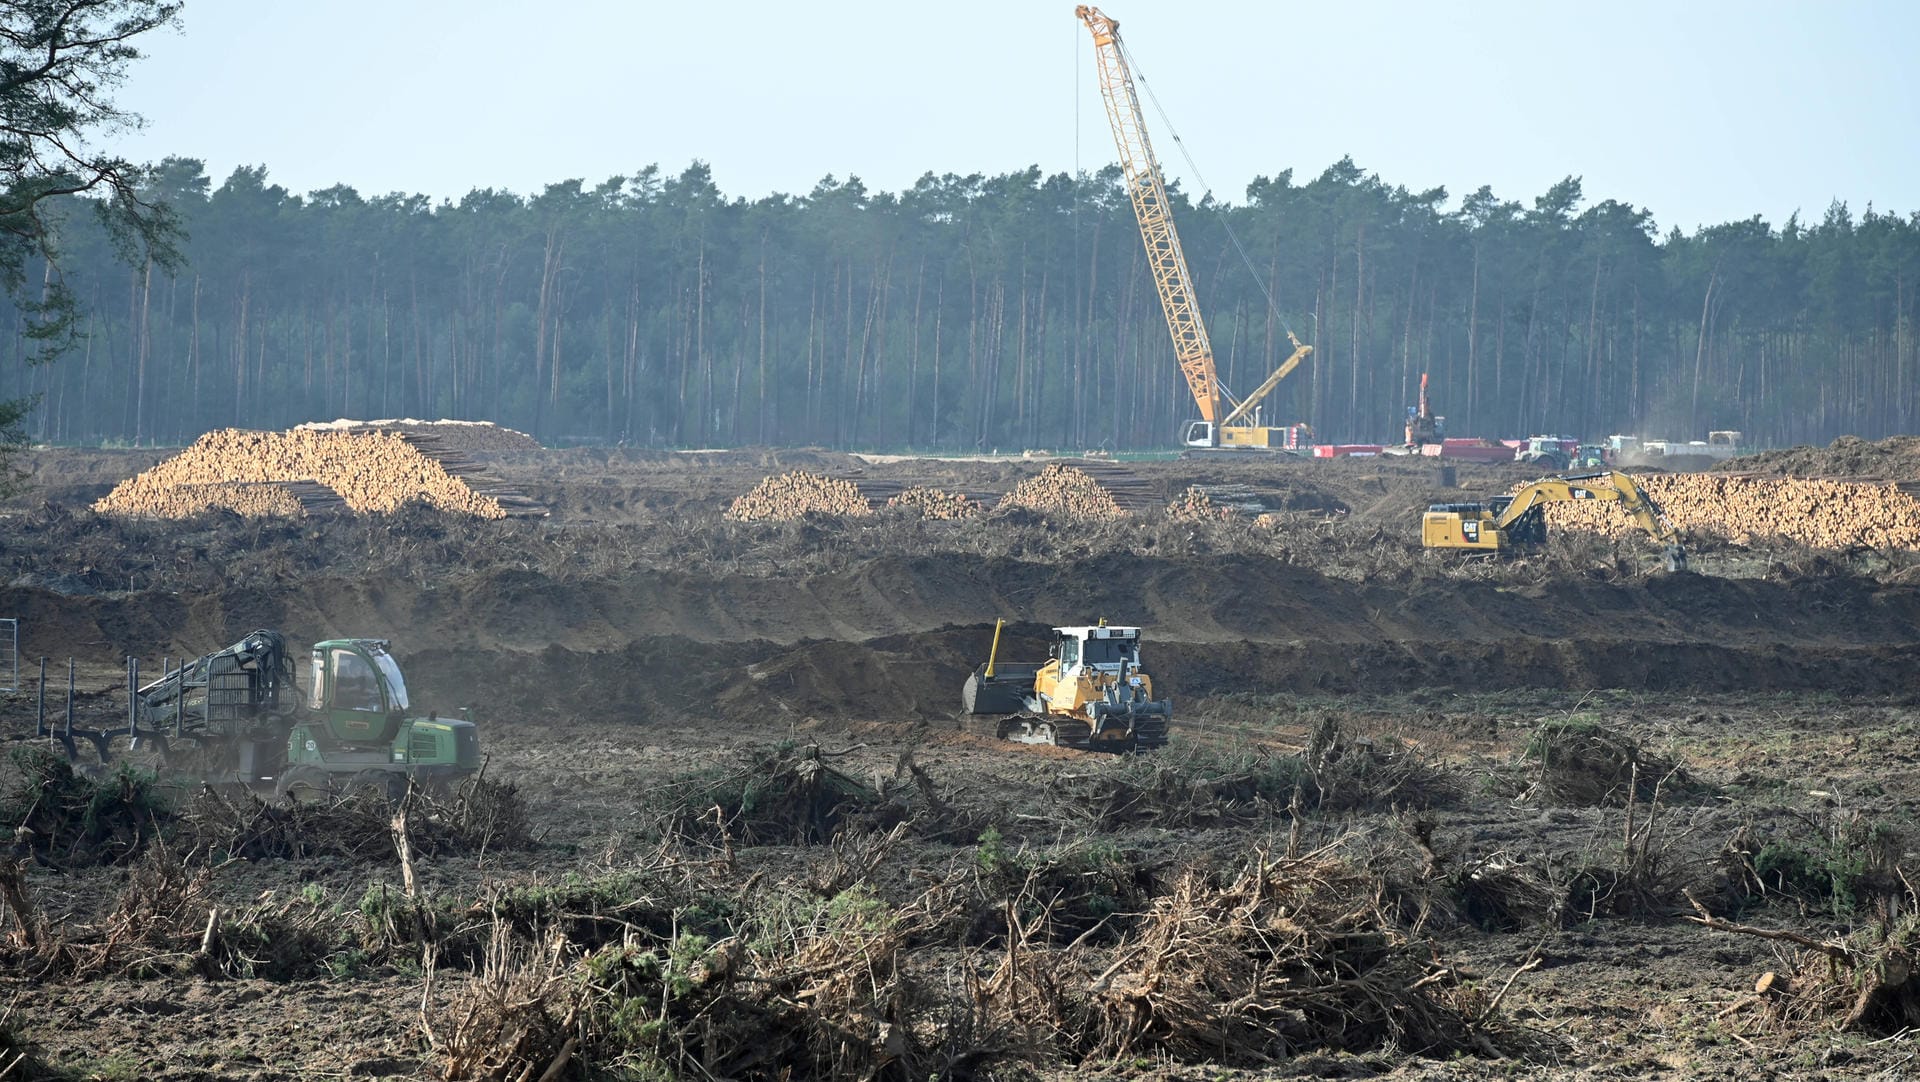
262	651
1149	192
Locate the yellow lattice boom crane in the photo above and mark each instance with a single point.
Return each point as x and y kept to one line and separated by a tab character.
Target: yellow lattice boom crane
1147	188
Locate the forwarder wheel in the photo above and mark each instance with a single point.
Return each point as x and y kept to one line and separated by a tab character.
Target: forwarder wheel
306	784
390	785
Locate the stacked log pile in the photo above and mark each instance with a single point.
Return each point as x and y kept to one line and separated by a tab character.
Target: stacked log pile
454	435
253	499
1821	513
935	503
1195	505
792	495
1130	491
1062	490
371	472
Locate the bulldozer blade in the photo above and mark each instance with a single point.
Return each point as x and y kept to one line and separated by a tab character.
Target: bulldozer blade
1005	692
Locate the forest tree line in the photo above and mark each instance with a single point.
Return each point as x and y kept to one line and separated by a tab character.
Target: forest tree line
967	313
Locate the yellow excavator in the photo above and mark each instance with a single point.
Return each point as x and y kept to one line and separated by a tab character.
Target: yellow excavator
1238	424
1090	693
1519	520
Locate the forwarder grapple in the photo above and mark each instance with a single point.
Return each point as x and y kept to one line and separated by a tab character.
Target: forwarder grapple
1091	693
239	716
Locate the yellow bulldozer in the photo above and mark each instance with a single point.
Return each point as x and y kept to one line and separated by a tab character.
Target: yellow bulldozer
1090	693
1505	523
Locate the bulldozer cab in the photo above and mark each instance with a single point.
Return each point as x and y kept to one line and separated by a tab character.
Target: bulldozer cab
1101	648
358	689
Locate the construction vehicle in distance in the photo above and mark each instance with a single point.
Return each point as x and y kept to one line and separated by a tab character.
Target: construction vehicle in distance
238	716
1547	452
1422	426
1517	521
1238	427
1090	693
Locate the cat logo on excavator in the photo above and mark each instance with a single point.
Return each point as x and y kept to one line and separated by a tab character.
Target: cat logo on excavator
1090	693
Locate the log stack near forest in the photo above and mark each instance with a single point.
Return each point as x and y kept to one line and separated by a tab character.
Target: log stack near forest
1062	490
304	470
1818	512
448	434
1195	505
793	495
934	503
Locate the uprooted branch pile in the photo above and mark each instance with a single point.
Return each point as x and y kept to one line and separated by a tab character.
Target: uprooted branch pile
1866	982
796	494
1062	490
371	472
1578	761
1816	512
777	796
1290	954
935	503
1238	968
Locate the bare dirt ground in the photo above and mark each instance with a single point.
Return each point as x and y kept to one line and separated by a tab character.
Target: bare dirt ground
1522	785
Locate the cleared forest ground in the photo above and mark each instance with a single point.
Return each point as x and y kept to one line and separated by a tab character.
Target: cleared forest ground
1505	795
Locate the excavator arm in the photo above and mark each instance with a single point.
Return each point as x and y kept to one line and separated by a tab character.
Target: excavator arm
1607	485
1155	213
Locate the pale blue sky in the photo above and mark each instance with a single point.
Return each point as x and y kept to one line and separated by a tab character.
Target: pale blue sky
1703	111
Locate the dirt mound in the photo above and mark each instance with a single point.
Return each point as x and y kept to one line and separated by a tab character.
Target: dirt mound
796	495
1895	458
453	435
1819	513
1062	490
373	471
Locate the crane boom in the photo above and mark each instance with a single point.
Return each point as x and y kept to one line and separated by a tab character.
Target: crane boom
1150	205
1244	409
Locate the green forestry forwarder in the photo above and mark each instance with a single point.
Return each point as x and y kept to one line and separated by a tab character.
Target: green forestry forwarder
239	716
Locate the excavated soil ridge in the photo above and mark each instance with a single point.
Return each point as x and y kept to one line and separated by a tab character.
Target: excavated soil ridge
893	638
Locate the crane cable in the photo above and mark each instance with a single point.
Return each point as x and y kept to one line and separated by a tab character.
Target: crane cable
1195	169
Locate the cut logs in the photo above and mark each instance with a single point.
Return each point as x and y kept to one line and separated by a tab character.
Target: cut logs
793	495
270	473
1820	513
1194	505
934	503
1062	490
452	435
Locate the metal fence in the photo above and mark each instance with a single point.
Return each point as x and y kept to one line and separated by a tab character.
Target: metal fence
10	661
